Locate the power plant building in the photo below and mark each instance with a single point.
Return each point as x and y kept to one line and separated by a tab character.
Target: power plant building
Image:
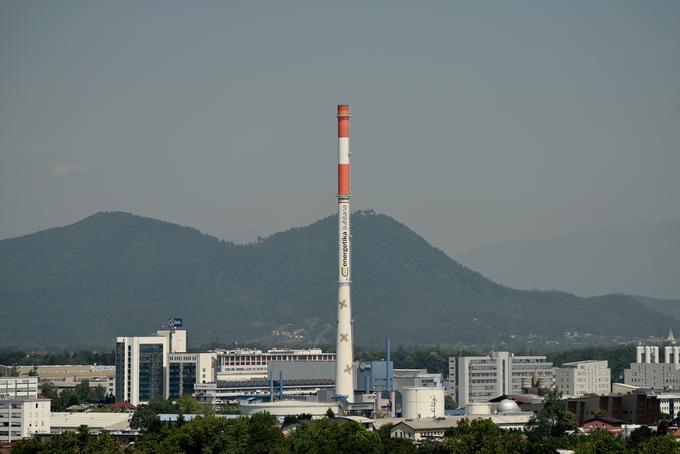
648	372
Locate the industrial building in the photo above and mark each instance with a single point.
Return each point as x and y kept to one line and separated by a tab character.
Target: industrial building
579	378
244	364
648	372
481	378
506	414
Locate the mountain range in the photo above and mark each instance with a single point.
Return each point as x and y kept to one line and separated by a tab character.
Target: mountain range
115	274
638	259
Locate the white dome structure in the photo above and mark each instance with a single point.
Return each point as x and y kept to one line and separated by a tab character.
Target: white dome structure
508	406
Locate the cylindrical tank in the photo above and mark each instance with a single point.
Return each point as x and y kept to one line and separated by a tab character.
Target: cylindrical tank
639	350
422	402
545	382
667	351
648	354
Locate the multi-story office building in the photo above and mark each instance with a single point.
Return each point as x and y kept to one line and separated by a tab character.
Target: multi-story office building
20	418
648	372
142	365
583	377
244	364
187	369
19	388
481	378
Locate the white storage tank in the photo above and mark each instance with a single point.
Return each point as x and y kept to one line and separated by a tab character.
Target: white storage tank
422	402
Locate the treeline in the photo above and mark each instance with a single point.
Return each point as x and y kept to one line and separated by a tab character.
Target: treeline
11	356
260	434
81	394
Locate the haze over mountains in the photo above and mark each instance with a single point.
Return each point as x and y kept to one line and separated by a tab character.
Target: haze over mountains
640	259
115	274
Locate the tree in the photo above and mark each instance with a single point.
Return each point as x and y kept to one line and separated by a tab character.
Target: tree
330	413
449	404
82	390
187	405
553	420
600	441
482	436
80	442
329	436
662	444
639	436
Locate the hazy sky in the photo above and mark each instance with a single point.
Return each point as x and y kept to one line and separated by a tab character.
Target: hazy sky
473	122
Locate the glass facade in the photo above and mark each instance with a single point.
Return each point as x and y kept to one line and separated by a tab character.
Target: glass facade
182	379
150	371
120	371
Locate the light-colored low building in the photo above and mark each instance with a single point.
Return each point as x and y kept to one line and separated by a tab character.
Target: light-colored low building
18	387
70	422
505	414
579	378
20	418
422	429
282	408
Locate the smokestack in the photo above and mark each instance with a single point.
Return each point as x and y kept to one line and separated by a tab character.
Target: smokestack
344	382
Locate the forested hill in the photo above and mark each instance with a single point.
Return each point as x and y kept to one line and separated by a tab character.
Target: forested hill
120	274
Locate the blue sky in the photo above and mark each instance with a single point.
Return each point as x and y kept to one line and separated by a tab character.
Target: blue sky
473	122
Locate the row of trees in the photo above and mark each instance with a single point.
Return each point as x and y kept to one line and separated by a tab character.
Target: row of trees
18	357
260	434
82	393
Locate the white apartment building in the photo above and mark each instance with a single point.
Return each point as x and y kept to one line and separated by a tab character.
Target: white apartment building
142	365
19	418
475	379
583	377
648	372
18	387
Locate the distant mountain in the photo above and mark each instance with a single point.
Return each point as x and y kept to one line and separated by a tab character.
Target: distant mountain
120	274
669	307
642	259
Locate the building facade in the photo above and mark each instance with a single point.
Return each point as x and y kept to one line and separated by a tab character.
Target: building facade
481	378
18	387
141	368
579	378
648	372
187	369
20	418
244	364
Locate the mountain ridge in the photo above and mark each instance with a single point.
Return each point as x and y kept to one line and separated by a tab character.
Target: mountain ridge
115	273
636	259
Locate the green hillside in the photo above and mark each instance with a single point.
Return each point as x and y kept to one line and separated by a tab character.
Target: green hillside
120	274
